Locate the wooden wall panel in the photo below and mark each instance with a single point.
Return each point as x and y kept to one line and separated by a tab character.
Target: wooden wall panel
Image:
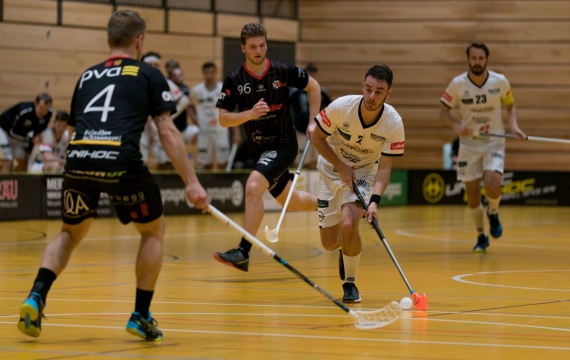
154	17
86	15
319	10
231	25
190	22
422	53
30	11
281	29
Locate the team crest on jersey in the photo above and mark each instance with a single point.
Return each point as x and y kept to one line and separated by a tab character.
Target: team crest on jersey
345	125
260	88
277	84
377	138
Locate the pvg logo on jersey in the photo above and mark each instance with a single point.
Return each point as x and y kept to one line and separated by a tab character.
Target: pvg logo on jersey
109	72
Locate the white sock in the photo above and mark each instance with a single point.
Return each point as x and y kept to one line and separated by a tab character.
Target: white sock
350	267
477	215
494	205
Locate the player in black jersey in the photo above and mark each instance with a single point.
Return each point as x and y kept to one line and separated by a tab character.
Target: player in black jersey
259	91
109	109
18	126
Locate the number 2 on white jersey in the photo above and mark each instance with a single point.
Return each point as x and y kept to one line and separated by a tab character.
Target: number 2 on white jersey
106	108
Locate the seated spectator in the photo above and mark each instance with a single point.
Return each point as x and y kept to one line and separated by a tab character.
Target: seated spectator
20	128
49	155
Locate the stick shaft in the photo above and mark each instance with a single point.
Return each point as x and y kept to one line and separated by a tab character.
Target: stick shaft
267	251
293	185
231	157
383	239
529	138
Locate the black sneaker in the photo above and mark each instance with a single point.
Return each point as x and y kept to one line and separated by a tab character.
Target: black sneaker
351	294
144	328
234	258
495	227
31	313
482	244
340	265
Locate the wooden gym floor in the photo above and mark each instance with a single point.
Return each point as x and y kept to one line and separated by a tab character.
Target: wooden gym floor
512	302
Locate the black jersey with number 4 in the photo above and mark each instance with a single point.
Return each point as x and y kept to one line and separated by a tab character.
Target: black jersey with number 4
109	109
244	89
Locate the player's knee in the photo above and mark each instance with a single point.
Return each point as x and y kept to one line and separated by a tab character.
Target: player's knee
330	243
348	227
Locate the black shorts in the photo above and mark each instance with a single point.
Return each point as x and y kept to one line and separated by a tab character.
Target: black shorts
135	197
274	164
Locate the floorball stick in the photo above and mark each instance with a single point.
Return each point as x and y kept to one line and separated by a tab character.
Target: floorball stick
420	301
272	235
528	137
362	319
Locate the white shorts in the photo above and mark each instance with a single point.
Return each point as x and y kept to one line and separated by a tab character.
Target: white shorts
213	147
471	162
333	192
312	154
36	167
11	148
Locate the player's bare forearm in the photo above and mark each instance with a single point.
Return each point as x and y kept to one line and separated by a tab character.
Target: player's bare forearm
231	119
319	141
313	90
382	178
175	148
449	120
513	123
181	107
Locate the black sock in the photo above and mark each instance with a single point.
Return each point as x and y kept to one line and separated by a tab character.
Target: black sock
43	282
142	302
244	247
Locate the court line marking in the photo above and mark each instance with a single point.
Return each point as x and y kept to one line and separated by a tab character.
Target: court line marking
435	312
301	315
327	337
495	243
459	278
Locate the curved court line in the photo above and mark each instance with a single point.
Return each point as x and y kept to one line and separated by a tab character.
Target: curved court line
325	337
459	278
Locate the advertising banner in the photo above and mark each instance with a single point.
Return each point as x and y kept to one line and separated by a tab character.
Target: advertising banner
396	192
226	192
19	197
517	188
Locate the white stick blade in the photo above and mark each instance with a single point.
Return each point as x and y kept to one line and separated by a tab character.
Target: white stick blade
271	235
376	318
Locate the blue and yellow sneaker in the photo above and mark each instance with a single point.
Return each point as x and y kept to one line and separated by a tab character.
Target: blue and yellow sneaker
31	313
495	227
144	328
482	244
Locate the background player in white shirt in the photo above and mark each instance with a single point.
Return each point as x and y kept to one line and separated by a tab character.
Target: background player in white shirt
357	138
214	140
49	155
479	94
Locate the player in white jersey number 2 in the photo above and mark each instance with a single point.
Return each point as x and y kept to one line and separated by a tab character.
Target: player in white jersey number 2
357	137
479	94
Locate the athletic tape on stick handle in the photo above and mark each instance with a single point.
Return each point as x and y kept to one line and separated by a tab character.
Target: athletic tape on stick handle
363	319
529	137
420	301
272	235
